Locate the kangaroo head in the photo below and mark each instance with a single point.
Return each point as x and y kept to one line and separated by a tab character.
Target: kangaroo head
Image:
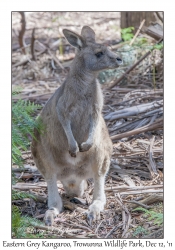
93	56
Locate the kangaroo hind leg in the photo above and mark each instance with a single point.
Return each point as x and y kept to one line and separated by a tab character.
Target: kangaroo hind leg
99	198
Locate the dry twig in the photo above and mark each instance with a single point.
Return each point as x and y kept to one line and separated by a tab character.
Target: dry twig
159	16
154	126
22	31
138	31
33	45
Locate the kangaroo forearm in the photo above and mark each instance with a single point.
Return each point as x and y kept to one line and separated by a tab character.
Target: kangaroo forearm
66	126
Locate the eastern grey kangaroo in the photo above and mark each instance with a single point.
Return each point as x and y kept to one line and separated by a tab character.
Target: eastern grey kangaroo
76	144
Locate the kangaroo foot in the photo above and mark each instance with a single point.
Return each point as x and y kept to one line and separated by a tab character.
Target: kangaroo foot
50	215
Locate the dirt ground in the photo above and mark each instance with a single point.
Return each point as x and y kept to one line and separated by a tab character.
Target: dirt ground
104	23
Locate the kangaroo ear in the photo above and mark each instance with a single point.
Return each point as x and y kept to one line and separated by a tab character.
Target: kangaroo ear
74	39
88	34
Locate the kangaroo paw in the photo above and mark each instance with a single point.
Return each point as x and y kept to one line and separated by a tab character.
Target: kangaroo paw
85	146
94	210
50	215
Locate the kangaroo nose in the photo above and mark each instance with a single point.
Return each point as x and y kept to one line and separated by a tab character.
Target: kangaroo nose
119	60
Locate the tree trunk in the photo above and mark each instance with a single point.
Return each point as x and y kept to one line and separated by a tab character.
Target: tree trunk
134	18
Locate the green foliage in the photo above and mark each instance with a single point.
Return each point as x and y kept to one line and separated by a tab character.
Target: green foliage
14	179
152	215
158	46
140	41
127	33
23	125
17	195
16	91
16	220
23	226
140	230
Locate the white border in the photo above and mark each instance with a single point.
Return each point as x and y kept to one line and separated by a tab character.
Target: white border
5	98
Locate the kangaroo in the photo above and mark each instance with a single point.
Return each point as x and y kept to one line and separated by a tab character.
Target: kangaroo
76	144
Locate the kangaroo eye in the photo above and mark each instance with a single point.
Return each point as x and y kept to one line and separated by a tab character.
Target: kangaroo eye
99	54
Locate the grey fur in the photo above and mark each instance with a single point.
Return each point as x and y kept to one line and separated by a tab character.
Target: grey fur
76	145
